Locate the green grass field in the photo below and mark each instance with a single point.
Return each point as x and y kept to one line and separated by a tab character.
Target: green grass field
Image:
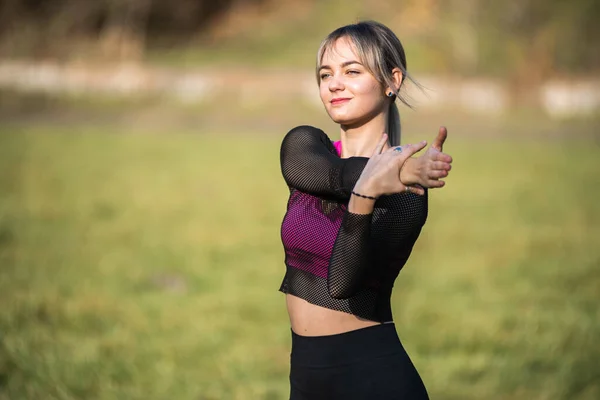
146	266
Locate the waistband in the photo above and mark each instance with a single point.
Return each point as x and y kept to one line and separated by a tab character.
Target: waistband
345	348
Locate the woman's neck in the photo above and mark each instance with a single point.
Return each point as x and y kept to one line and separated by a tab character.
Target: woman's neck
360	140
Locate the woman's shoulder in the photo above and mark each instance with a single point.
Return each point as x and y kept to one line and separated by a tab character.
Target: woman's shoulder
306	130
306	135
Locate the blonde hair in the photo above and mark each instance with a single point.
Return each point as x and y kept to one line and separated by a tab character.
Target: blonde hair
380	51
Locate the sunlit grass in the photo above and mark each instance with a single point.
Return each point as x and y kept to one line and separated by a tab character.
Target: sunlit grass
147	267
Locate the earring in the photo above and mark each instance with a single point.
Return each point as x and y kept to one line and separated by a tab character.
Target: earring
390	94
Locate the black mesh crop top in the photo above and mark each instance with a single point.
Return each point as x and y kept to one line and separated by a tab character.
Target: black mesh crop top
334	258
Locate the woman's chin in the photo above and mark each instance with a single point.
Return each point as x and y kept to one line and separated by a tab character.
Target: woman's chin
342	119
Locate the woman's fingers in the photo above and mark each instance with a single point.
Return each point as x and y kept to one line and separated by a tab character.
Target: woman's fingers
437	174
434	183
380	145
407	150
416	190
442	157
436	166
415	148
440	165
438	143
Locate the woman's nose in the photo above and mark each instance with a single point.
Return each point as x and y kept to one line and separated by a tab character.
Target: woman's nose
335	83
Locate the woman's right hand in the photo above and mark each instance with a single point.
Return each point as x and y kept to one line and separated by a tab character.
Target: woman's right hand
381	174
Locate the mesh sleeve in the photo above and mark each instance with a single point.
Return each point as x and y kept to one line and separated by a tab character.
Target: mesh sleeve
350	257
309	164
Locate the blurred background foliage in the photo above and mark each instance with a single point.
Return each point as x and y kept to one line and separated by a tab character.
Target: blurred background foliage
139	232
525	39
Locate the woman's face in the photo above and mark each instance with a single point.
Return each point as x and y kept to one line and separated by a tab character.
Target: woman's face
351	95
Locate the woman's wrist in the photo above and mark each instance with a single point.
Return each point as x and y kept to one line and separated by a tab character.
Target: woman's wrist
364	196
365	190
360	204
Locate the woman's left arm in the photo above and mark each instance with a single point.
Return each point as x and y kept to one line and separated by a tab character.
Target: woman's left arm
352	253
352	256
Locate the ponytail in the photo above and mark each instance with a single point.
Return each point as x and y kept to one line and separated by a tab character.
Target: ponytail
394	129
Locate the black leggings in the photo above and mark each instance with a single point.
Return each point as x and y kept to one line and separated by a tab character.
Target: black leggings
368	363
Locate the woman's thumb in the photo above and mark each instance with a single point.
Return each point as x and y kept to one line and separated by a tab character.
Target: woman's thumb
380	145
415	148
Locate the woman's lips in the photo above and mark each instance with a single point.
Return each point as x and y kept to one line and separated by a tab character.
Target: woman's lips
341	100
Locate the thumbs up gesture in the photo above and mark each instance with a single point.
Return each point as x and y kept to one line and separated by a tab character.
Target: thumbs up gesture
427	169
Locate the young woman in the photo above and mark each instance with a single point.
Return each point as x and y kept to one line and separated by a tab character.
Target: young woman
355	210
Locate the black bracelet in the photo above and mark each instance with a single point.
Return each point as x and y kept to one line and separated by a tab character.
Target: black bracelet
363	196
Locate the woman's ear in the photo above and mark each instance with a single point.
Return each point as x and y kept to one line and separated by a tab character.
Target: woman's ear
397	79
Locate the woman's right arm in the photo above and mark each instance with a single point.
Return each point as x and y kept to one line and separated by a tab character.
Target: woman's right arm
308	164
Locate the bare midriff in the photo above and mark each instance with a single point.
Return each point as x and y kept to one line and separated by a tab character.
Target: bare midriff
311	320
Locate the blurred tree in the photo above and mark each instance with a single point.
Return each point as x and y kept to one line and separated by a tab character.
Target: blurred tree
535	38
462	31
524	40
120	28
123	34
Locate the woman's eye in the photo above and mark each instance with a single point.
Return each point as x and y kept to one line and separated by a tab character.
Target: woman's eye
323	76
353	72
